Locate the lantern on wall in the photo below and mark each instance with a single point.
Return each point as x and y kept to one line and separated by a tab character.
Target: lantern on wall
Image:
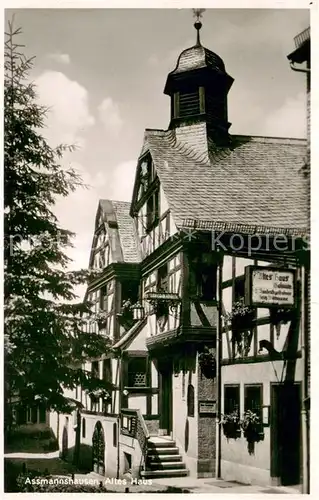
138	312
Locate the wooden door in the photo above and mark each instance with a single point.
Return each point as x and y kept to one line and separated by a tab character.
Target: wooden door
286	433
98	449
166	397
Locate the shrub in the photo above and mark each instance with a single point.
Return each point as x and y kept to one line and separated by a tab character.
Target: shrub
33	431
85	458
51	445
16	471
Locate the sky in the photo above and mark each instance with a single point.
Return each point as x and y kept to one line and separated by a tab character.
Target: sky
103	71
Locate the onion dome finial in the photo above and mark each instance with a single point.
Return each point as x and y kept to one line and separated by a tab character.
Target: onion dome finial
198	14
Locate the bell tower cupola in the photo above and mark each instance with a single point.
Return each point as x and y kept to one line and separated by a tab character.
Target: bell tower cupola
198	89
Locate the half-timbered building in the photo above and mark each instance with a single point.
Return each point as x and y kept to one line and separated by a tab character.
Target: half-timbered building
206	205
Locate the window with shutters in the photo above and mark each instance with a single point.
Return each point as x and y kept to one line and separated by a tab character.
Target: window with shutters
175	106
136	372
189	103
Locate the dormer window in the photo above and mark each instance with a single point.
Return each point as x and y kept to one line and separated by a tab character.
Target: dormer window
147	173
152	210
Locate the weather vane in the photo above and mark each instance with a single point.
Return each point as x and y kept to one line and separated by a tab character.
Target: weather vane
198	13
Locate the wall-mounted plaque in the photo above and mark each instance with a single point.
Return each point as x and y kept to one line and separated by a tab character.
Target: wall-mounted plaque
270	287
207	407
266	411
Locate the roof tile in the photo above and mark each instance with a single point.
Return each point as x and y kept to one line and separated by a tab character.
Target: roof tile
255	182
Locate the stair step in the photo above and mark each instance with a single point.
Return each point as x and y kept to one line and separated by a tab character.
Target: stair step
165	473
166	465
165	443
163	451
164	458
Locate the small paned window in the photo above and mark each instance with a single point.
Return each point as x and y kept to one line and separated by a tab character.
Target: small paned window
137	368
83	428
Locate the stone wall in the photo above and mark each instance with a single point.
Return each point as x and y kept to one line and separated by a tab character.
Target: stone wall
206	429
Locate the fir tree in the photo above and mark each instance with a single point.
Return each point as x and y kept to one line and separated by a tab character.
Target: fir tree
45	339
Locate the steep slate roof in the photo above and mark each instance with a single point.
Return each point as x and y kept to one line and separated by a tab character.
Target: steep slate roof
198	57
126	248
253	186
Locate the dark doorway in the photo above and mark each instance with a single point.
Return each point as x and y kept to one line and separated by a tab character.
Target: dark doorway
285	433
98	449
65	444
166	373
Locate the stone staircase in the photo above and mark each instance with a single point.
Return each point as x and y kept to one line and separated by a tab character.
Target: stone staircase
163	459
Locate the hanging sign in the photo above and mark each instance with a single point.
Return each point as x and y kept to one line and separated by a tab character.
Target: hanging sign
270	287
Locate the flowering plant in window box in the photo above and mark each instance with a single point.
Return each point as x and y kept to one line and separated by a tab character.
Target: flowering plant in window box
231	425
101	318
241	318
252	426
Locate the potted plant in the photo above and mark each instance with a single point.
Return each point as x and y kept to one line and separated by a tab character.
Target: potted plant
241	315
231	425
241	318
101	319
251	426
